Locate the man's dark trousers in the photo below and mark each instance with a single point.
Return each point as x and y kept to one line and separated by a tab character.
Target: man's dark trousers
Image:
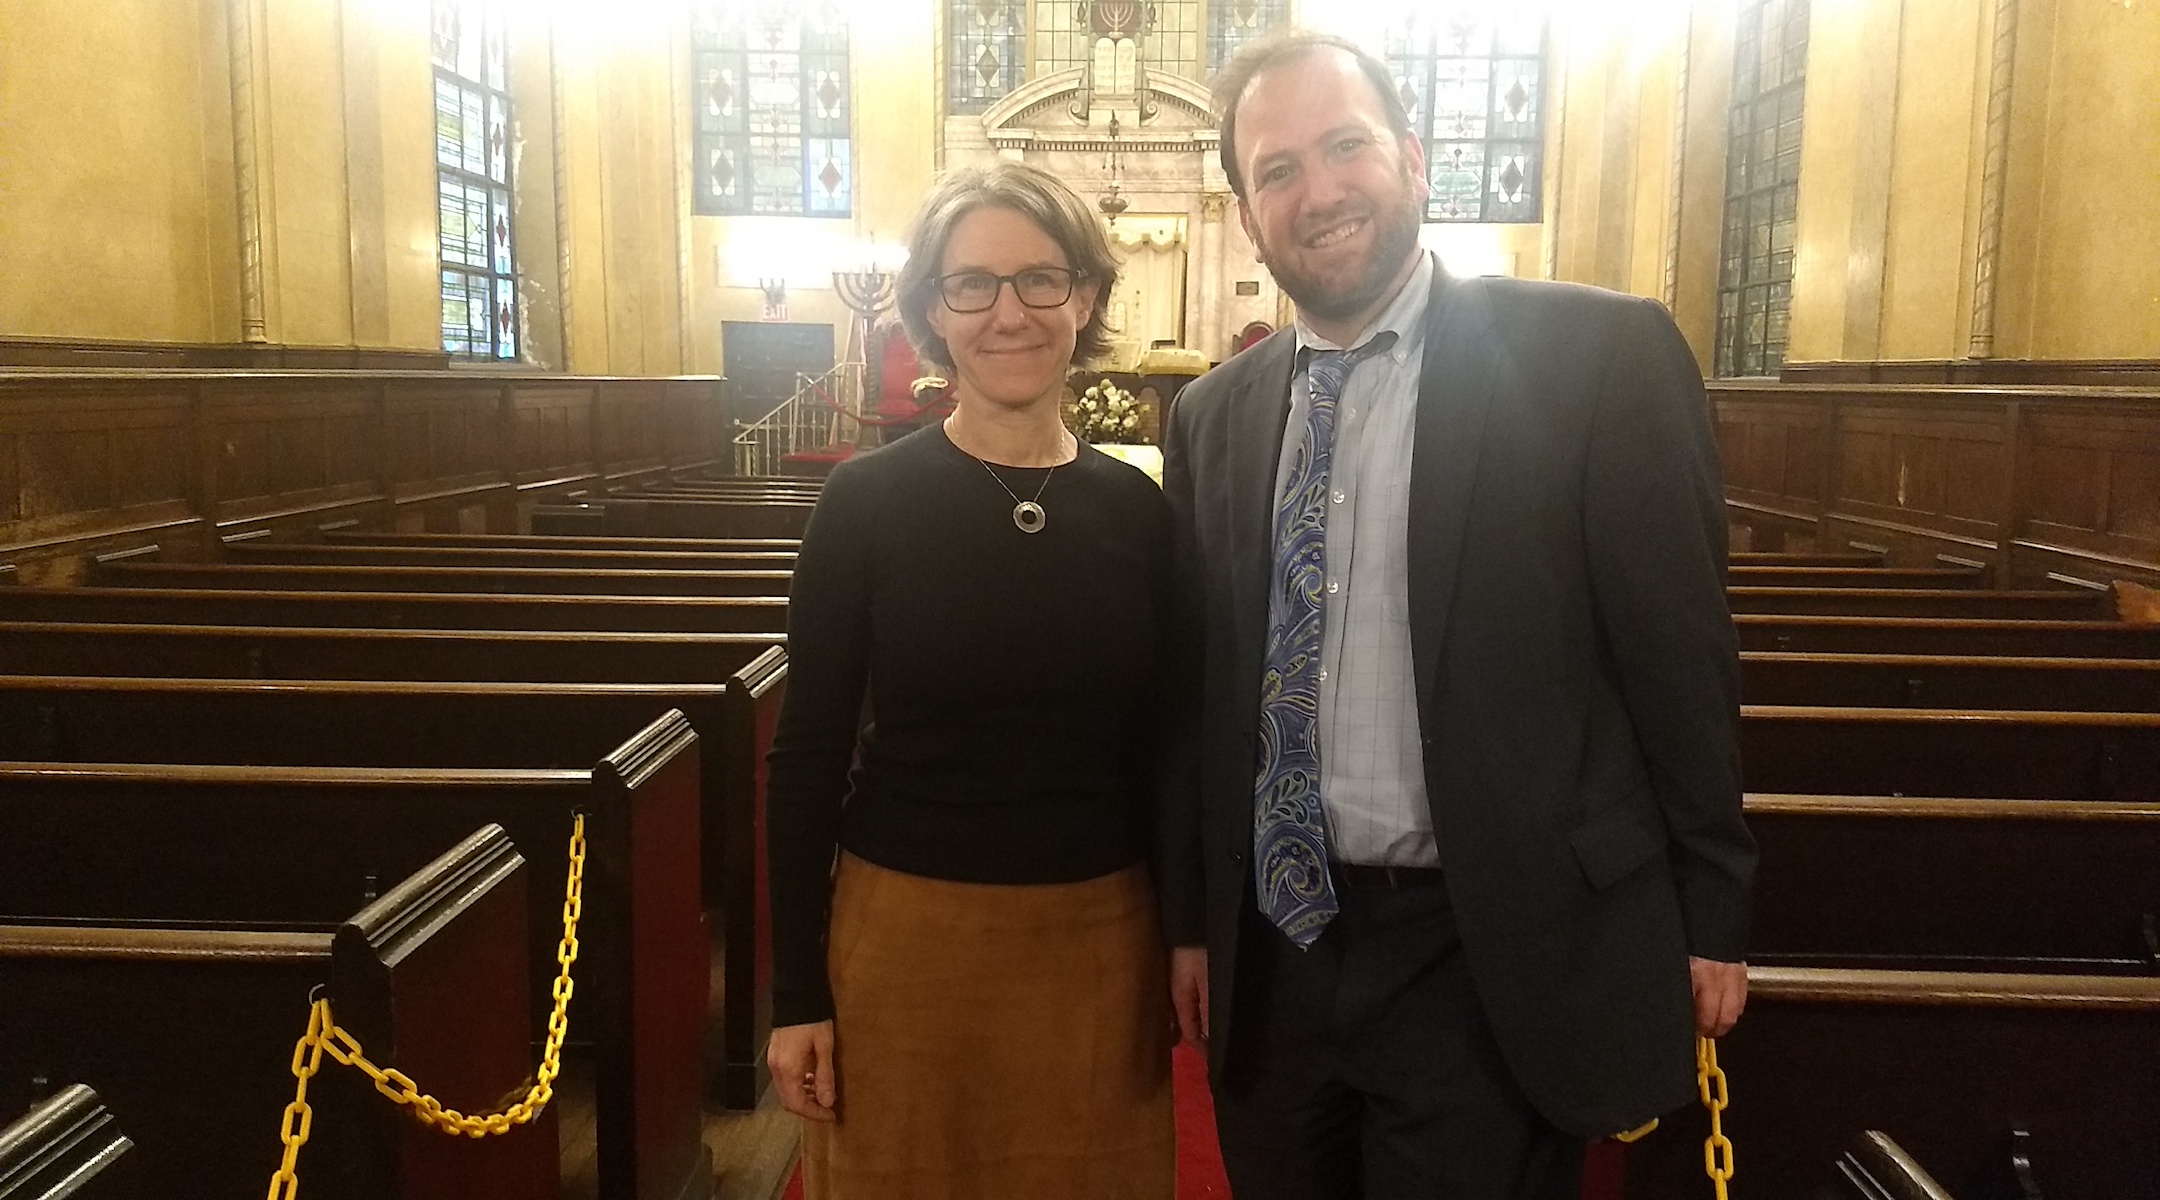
1365	1068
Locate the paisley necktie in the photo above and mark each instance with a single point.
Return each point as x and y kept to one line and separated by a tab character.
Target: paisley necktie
1289	829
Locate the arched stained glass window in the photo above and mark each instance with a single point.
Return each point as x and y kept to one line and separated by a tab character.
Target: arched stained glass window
472	180
1472	77
1762	187
1232	23
985	52
773	109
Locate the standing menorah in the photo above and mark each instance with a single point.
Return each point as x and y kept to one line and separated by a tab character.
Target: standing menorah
867	293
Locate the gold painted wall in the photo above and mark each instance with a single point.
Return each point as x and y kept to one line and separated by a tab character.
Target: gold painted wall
2079	277
105	190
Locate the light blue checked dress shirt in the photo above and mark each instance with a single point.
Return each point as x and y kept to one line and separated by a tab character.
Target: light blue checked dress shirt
1372	771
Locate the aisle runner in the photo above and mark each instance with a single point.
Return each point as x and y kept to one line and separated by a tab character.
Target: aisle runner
1199	1163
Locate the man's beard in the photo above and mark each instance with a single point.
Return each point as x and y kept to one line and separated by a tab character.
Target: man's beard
1395	234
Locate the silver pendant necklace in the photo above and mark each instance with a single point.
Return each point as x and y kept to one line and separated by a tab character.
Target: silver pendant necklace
1027	514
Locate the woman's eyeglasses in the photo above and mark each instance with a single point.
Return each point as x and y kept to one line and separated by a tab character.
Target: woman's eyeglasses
977	291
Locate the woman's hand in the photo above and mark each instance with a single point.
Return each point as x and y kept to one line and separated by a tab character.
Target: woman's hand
800	1058
1189	993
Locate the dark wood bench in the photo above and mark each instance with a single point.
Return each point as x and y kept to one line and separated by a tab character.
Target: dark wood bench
188	1029
1951	681
1875	1167
1952	1061
1938	635
529	581
2046	604
397	610
491	557
526	541
69	1146
1769	575
677	517
1950	752
453	724
220	844
1956	883
1766	558
300	652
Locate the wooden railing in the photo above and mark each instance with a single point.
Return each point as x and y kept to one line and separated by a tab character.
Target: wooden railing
98	464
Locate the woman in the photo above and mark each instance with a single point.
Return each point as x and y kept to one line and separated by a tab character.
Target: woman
971	1002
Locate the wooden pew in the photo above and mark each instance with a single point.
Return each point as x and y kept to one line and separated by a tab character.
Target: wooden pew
1875	1167
397	610
1951	681
189	1027
463	724
297	652
1935	635
1770	575
673	517
2048	604
1955	883
491	557
105	839
68	1147
507	580
1763	558
1950	752
1952	1061
359	537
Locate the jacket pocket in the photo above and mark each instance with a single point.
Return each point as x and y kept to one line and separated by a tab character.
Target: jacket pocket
1611	845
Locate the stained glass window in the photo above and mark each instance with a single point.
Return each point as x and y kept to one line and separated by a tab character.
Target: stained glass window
1762	187
1065	33
773	109
1232	23
472	180
985	51
1472	77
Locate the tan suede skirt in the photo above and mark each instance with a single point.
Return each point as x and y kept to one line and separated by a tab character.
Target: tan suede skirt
996	1042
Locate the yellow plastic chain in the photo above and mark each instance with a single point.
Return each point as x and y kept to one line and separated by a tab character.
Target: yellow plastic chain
1717	1150
323	1036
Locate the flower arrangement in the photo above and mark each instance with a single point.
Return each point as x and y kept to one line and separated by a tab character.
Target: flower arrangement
1106	412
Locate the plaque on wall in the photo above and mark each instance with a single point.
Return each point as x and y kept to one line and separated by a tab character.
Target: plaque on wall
1248	287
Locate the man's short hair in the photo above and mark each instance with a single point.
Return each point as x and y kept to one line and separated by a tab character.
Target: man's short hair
1280	47
1033	193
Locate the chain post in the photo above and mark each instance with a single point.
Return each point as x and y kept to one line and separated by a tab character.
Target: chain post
1710	1083
325	1036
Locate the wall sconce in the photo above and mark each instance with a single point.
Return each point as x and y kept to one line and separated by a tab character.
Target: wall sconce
775	298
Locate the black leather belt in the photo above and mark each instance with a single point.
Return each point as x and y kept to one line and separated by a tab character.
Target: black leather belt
1365	875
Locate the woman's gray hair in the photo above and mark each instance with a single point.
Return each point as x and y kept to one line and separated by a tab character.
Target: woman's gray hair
1033	193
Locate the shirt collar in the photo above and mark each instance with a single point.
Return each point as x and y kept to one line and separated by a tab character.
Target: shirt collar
1405	316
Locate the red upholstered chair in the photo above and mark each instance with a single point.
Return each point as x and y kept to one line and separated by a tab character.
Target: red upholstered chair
1249	336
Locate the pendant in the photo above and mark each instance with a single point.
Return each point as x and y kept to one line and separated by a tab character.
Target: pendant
1028	515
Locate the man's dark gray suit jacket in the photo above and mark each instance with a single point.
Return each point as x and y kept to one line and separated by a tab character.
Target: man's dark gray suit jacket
1578	688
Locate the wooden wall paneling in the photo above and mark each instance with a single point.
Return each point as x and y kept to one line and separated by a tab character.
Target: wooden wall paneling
2043	486
1925	480
95	462
289	449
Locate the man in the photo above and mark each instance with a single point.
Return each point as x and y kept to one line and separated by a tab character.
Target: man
1455	863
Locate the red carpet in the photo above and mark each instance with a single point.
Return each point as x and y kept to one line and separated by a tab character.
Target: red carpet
1199	1164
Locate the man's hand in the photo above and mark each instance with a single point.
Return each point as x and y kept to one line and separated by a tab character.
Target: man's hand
800	1058
1720	994
1189	993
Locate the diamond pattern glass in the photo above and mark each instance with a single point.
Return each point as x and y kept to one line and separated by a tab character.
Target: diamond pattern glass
474	122
1762	186
985	55
1471	77
1232	23
773	108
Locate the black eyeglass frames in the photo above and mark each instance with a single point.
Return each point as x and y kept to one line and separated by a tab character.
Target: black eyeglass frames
1036	287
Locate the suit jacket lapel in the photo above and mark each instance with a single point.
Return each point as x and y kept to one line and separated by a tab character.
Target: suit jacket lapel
1258	414
1455	390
